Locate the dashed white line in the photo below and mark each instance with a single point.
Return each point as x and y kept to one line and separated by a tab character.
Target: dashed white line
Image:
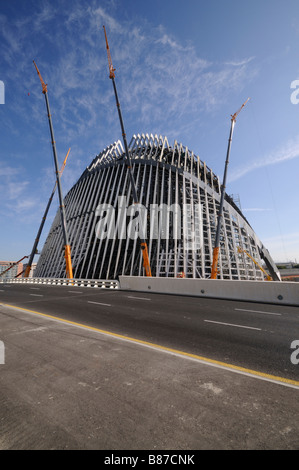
34	288
232	324
75	292
98	303
36	295
139	298
256	311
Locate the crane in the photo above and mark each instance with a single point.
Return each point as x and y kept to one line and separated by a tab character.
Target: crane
143	244
10	267
217	238
269	278
67	248
34	249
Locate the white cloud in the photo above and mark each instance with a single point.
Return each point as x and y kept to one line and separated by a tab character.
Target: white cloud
102	18
167	40
289	151
163	83
43	15
159	77
21	206
256	209
7	170
239	63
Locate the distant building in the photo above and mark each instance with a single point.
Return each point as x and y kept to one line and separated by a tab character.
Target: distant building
13	272
289	271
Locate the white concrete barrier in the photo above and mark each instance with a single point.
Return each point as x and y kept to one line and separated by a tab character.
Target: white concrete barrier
282	293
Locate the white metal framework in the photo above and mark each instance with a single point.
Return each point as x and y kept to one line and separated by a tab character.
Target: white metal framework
170	177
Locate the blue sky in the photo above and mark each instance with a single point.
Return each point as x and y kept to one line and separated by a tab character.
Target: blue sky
182	69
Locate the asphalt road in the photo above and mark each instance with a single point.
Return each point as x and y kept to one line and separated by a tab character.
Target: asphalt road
249	335
88	382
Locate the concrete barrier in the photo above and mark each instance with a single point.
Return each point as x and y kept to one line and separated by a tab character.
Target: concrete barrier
281	293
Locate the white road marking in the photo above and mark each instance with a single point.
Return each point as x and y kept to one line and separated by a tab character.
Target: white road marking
139	298
41	328
232	324
36	295
177	353
34	288
98	303
75	292
256	311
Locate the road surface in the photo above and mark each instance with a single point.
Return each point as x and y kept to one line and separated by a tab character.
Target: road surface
89	368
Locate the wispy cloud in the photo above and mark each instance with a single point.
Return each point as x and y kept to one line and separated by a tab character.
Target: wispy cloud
6	170
16	197
163	82
160	77
256	209
44	15
100	17
240	63
289	151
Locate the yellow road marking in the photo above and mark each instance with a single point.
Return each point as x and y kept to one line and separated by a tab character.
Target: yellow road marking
202	359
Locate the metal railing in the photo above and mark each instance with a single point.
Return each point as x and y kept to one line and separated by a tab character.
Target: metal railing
100	283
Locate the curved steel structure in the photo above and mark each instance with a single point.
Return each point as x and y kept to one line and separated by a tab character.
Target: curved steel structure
177	214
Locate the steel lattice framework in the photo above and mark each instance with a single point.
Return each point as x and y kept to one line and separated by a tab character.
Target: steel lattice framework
169	178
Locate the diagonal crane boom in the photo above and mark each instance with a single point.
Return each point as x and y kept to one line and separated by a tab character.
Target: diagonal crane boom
143	244
67	248
34	248
268	277
217	238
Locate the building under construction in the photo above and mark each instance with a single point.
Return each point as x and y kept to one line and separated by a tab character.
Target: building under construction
179	199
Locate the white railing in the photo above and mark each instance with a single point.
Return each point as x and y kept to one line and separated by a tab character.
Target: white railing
101	283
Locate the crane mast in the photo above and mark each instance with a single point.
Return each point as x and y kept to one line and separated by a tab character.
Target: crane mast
217	238
67	248
143	244
34	248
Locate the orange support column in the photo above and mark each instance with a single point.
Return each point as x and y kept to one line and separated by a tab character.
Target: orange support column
68	262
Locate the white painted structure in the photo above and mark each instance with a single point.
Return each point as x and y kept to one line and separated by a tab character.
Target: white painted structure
165	177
